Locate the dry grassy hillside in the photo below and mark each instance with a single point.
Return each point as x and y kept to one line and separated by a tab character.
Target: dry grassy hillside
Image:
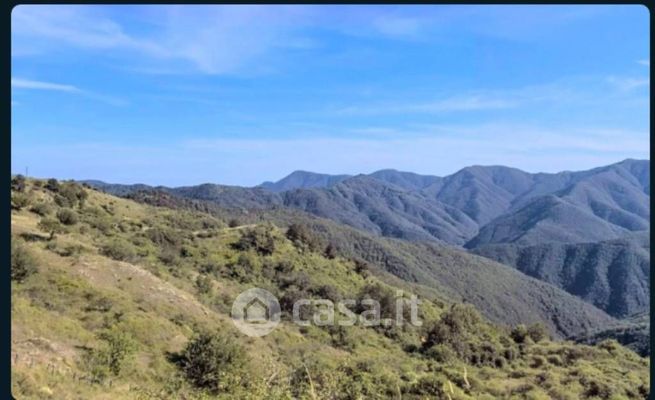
113	299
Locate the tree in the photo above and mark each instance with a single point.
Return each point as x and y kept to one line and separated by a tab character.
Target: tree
213	361
51	226
23	263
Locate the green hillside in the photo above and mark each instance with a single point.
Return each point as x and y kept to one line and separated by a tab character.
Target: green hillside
116	299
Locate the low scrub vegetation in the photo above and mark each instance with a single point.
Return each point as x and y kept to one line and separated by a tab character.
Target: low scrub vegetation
157	325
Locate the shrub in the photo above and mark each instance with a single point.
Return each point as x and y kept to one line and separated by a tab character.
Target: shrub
555	360
327	292
537	332
441	353
331	252
341	337
519	333
119	249
537	362
454	329
383	295
244	270
71	194
18	183
362	267
204	285
67	216
41	209
23	263
169	256
51	226
52	185
302	236
163	237
429	385
595	388
19	201
213	361
233	223
111	358
610	345
259	239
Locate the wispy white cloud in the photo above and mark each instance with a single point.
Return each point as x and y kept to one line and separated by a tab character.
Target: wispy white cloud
19	83
628	83
40	85
580	91
208	39
644	62
473	102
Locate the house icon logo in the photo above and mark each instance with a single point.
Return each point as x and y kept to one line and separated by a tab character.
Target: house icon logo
256	312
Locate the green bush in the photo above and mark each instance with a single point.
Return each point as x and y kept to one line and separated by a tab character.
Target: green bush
259	239
204	284
537	332
72	194
441	353
362	267
164	237
455	329
213	361
111	357
429	385
19	201
519	333
52	185
51	226
23	262
119	249
302	236
342	337
67	216
537	362
41	209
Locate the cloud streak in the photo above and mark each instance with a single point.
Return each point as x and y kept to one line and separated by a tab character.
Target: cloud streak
445	105
19	83
199	38
628	83
40	85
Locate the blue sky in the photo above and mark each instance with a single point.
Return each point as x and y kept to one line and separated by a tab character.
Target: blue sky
180	95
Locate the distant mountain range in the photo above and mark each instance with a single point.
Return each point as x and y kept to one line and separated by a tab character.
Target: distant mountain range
552	226
612	275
